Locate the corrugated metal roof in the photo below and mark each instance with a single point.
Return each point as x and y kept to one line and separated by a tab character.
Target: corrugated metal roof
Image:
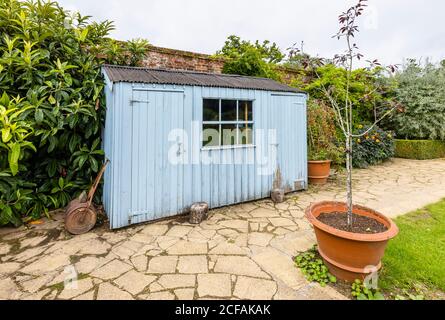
179	77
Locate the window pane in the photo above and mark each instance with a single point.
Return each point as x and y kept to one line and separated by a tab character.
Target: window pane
210	135
228	110
211	110
245	111
246	134
229	132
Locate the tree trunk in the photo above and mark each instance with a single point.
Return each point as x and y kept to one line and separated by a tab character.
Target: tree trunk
349	177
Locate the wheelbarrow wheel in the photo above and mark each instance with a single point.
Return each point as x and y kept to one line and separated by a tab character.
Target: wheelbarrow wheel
80	220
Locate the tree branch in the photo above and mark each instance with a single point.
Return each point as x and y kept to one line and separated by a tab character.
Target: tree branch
374	124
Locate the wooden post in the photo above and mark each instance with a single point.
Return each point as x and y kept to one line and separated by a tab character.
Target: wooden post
199	212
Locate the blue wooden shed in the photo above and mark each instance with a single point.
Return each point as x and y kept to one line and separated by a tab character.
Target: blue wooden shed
174	138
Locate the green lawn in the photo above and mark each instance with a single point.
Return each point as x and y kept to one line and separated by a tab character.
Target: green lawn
417	255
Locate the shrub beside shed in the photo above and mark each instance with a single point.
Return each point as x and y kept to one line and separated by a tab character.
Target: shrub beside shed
174	138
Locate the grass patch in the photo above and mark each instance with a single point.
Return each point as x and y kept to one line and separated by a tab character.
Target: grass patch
416	257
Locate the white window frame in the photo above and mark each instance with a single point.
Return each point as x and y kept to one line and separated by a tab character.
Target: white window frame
237	123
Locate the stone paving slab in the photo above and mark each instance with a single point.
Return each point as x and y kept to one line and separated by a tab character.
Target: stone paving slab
241	252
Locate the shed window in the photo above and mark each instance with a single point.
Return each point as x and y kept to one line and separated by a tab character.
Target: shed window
227	122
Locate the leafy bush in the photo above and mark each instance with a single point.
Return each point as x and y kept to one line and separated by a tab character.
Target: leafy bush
369	91
407	295
129	53
421	96
313	268
322	132
420	149
373	148
51	105
251	59
361	292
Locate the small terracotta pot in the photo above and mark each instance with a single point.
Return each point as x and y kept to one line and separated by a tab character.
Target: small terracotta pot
348	255
319	171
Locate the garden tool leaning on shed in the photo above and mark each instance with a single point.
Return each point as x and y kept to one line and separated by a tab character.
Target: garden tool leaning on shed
80	214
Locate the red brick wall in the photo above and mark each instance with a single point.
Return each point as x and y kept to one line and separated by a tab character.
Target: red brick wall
288	74
164	58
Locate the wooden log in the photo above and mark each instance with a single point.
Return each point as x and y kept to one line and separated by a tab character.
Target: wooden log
199	212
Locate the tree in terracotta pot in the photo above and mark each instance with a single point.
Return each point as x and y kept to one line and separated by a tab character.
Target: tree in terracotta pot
322	148
351	238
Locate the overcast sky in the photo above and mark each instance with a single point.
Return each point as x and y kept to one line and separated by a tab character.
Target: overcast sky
391	31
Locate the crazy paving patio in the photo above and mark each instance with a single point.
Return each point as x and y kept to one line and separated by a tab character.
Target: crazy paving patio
240	252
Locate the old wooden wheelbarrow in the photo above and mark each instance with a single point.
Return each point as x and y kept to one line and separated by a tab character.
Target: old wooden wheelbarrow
80	214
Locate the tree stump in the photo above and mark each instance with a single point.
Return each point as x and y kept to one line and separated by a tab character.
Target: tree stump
198	212
277	195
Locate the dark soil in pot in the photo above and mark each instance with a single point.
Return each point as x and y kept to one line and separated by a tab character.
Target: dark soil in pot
360	224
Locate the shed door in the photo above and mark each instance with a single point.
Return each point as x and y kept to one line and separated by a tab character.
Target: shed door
291	135
157	182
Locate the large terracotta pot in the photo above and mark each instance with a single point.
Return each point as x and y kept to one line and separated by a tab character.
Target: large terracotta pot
348	255
319	171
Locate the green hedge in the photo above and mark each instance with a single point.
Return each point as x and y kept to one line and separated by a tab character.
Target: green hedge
420	149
